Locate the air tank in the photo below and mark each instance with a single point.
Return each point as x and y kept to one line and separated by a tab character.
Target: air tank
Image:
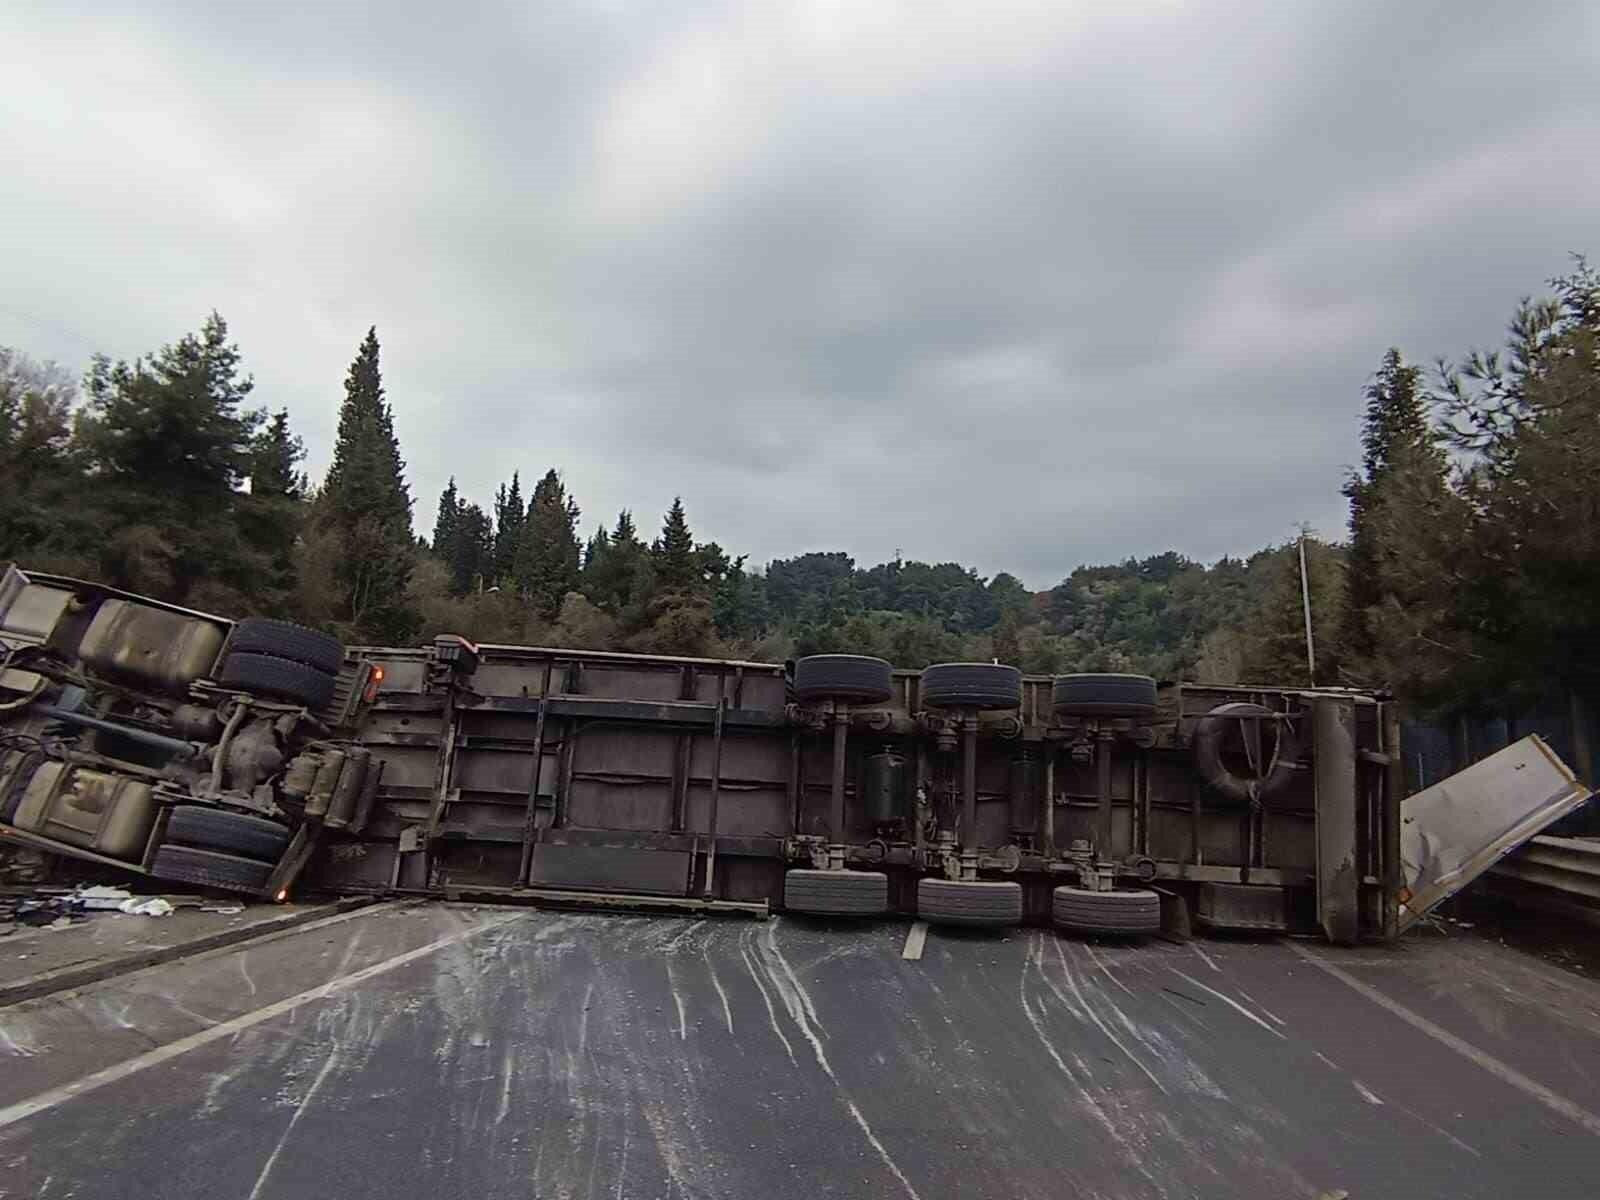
1026	782
883	786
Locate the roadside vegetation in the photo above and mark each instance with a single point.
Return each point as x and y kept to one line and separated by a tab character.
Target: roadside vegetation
1470	569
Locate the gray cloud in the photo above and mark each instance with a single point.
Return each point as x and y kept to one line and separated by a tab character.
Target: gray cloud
1021	285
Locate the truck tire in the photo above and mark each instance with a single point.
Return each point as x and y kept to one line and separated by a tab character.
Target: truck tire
1206	746
1129	912
284	639
209	869
231	833
1104	696
278	678
971	685
836	893
857	678
969	901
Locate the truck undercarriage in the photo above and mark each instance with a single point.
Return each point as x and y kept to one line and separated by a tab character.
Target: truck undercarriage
260	757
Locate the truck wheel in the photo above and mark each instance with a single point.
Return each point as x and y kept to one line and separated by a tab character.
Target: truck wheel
969	901
1130	912
278	678
209	869
232	833
971	685
1104	696
284	639
857	678
836	893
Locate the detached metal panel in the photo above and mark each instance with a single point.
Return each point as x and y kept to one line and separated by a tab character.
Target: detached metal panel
1457	829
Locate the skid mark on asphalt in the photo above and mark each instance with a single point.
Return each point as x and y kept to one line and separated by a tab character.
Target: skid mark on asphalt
797	1002
1228	1000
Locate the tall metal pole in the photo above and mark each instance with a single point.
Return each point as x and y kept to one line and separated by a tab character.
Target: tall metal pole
1305	600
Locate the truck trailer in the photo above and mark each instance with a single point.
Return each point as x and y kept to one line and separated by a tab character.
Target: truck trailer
261	757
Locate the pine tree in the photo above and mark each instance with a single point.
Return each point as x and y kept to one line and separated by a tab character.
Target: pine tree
612	565
676	565
547	555
275	459
367	502
45	511
168	429
169	445
508	517
594	550
1400	500
270	518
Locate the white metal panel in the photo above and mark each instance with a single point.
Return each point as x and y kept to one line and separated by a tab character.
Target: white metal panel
1452	832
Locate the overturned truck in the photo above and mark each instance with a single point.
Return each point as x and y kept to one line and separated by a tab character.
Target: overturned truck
261	757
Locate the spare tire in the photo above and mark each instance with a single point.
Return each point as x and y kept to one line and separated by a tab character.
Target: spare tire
1129	912
284	639
858	678
278	678
209	869
233	833
836	893
1207	746
971	685
1104	696
969	901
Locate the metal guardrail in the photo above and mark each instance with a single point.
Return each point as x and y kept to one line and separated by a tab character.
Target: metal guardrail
1567	865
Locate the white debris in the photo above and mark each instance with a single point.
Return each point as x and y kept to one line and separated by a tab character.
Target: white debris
103	896
153	907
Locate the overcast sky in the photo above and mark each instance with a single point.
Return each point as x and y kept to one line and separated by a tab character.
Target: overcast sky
1018	285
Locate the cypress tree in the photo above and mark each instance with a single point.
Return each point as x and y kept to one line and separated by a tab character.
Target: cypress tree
447	524
677	567
508	517
367	502
471	549
547	553
275	458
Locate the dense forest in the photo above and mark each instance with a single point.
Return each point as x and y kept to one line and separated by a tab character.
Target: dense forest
1469	569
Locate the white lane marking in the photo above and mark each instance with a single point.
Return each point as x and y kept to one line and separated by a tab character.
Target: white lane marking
1265	1011
23	1109
915	941
1229	1001
1209	961
1506	1074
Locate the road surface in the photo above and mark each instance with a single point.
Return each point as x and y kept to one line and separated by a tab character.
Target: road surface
455	1052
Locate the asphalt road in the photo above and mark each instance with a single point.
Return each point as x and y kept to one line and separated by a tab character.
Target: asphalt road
448	1052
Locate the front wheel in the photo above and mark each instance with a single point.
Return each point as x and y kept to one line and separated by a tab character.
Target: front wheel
228	832
206	868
